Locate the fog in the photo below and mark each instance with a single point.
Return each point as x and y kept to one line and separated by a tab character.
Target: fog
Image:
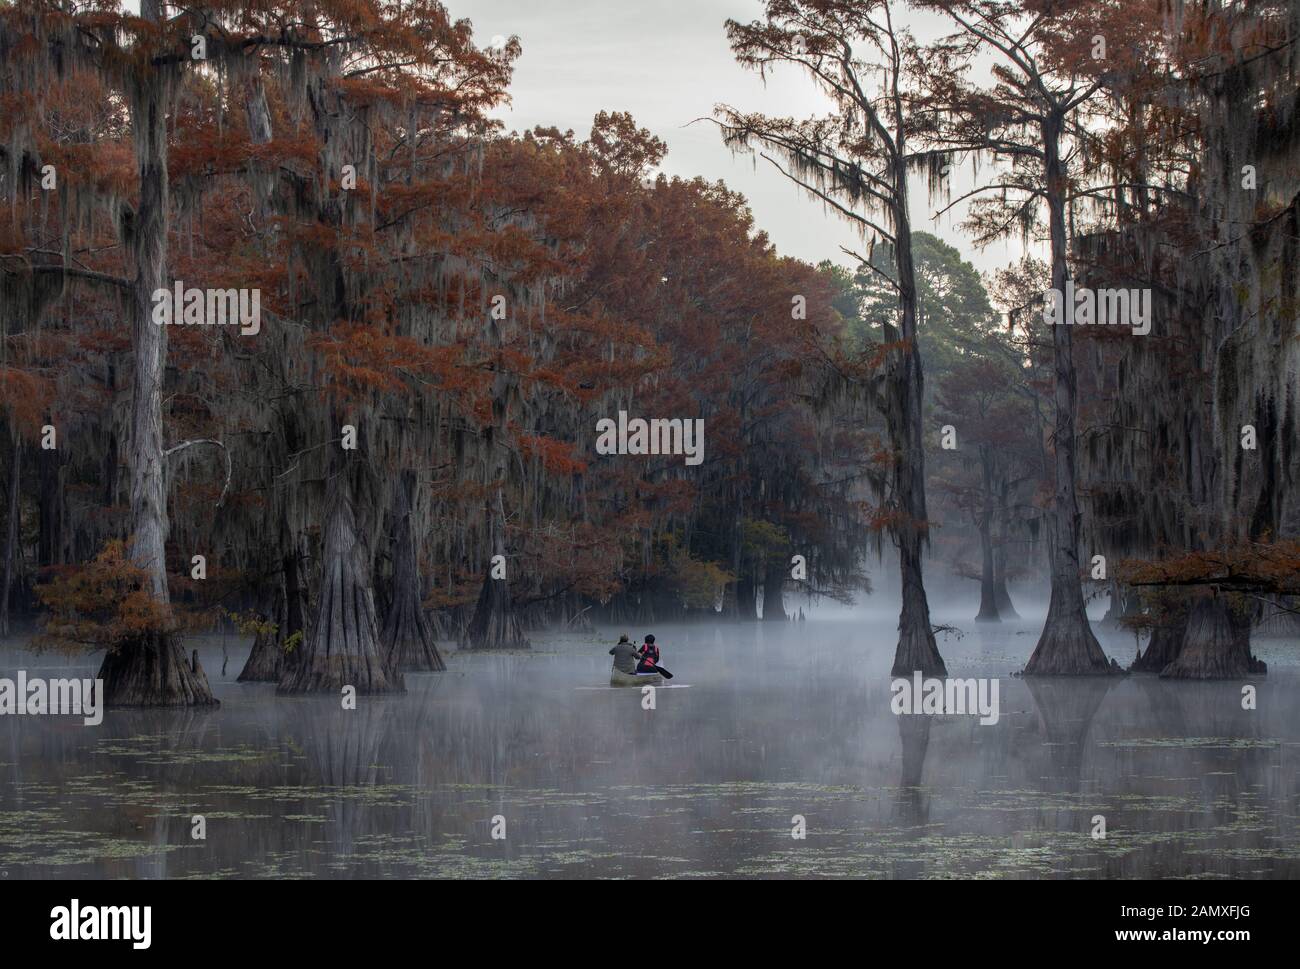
763	724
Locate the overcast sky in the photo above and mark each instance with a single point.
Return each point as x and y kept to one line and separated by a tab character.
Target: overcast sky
667	62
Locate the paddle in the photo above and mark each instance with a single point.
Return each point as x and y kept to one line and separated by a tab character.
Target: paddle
662	672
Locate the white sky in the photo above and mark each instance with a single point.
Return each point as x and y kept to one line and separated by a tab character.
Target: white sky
667	62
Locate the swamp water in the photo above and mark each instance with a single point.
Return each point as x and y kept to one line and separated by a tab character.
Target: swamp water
772	722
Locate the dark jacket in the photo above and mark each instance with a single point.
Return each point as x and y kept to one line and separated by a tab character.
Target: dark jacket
625	657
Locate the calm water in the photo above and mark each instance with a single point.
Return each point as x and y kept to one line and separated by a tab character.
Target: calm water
771	723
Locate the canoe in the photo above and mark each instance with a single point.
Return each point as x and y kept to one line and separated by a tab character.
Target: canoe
618	678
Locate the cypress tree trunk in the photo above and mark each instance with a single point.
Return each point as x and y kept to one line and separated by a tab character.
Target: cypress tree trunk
11	539
293	633
48	542
1116	607
342	647
1001	597
407	639
1125	603
1216	645
110	452
1067	645
495	624
916	646
988	597
773	599
1163	647
917	649
731	594
263	663
988	585
746	600
150	669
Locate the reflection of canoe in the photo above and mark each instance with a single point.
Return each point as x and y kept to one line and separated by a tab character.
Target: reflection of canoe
618	678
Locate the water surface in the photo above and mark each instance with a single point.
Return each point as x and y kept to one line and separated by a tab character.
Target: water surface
771	722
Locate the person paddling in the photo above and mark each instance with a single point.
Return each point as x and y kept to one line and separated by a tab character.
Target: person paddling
649	662
649	656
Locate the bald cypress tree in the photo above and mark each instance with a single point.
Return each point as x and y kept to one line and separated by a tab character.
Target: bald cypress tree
1191	461
1052	62
859	161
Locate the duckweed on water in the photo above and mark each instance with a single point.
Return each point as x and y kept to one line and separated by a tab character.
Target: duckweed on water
1189	743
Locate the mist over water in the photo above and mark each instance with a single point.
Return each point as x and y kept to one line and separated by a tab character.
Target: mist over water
762	722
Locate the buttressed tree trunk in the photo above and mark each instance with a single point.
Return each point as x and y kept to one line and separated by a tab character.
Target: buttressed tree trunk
1216	645
407	639
342	646
150	669
263	663
293	631
1067	645
495	624
1163	647
1002	598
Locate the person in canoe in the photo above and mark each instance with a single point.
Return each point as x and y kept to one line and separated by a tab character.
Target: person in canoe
625	656
627	665
648	661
